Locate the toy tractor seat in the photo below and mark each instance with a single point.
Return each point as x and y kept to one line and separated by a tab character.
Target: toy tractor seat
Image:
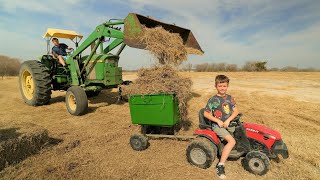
204	123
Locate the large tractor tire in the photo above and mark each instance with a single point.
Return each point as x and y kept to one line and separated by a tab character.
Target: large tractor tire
76	101
201	152
35	83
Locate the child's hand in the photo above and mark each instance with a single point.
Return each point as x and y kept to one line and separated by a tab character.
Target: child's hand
220	123
226	124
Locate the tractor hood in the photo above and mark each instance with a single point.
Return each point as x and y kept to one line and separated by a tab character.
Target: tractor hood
263	130
133	31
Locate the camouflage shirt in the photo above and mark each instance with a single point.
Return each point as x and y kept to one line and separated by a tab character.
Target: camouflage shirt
221	107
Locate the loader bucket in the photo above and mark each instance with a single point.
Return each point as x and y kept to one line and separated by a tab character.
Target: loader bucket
133	31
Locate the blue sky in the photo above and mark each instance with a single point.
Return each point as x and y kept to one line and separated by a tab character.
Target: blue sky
284	33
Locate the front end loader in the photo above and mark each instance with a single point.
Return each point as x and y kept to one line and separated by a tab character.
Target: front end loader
87	75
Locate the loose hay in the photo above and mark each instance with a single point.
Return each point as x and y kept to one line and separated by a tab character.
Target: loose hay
166	47
170	52
15	149
162	79
194	51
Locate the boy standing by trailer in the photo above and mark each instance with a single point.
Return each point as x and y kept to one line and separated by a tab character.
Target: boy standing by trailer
221	109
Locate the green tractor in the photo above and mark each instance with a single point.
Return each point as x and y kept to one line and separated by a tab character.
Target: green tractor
87	75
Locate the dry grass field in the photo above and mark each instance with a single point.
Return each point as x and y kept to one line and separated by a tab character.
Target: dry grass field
96	145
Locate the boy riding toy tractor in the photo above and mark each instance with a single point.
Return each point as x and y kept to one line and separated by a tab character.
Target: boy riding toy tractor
256	142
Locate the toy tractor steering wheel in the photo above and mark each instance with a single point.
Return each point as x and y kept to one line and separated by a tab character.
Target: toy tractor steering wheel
237	119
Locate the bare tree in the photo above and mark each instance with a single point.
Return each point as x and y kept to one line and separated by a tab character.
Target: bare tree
9	66
231	67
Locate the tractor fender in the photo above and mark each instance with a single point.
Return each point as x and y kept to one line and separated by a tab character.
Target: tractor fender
212	136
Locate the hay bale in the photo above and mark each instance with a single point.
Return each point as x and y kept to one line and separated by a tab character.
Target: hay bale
162	79
15	147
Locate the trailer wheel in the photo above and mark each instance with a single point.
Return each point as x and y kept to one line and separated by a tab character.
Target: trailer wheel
256	162
76	101
138	142
201	152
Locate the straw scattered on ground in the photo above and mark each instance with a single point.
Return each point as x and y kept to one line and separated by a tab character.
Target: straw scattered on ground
270	98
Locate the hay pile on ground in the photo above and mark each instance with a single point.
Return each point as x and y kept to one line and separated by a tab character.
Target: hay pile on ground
162	79
16	146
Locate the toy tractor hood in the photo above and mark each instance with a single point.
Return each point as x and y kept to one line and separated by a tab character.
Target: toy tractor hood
133	30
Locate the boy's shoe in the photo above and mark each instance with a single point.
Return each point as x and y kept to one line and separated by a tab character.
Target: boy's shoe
220	171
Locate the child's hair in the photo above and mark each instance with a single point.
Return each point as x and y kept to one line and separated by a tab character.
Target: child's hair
222	79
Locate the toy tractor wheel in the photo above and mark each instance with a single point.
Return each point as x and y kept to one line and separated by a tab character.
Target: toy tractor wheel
257	163
138	142
35	83
201	152
76	101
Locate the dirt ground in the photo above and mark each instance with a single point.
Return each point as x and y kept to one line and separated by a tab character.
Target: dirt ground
96	145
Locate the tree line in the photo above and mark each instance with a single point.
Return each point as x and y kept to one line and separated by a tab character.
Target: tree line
9	66
250	66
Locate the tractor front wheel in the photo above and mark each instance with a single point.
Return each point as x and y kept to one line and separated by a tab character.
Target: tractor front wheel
76	101
257	163
201	152
138	142
35	83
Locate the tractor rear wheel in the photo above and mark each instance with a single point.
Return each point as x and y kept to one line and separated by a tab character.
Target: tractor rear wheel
35	83
201	152
256	162
76	101
138	142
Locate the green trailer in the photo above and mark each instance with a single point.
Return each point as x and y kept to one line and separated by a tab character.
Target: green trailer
154	110
158	115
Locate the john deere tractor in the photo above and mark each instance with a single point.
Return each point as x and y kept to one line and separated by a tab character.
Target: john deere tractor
87	75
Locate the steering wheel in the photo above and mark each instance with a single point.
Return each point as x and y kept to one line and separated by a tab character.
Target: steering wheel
237	118
69	52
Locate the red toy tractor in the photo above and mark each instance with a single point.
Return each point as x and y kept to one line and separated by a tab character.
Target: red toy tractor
256	142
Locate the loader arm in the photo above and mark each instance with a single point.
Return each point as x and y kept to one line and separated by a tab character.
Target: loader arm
100	32
133	30
97	36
